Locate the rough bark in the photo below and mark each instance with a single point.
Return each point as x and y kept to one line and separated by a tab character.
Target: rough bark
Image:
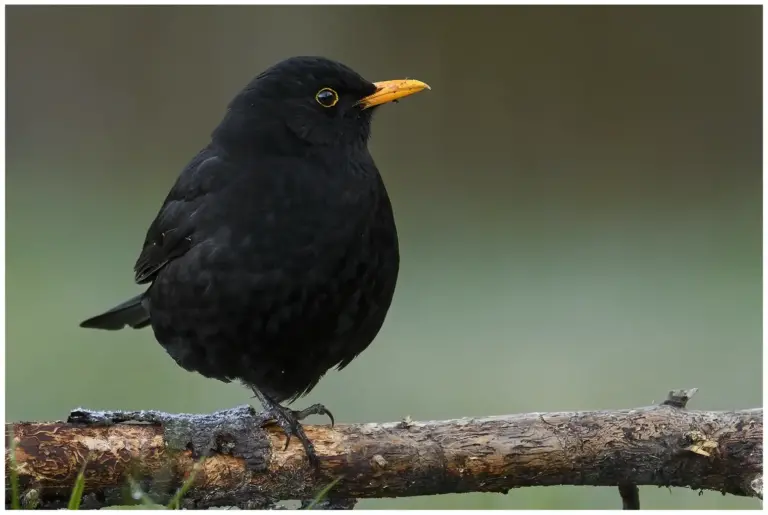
247	466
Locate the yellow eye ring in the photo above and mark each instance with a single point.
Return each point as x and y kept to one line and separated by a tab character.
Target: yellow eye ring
327	97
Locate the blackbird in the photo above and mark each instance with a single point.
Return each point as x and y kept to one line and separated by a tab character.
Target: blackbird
275	255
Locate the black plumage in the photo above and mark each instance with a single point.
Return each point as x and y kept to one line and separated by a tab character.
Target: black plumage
275	255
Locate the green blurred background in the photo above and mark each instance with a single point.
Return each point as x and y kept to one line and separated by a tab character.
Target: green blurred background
578	198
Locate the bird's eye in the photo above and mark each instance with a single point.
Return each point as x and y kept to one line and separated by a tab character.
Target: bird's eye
327	97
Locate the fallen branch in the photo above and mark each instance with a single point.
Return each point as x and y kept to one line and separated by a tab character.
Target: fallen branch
247	466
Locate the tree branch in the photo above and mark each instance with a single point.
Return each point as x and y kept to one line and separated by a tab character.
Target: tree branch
247	466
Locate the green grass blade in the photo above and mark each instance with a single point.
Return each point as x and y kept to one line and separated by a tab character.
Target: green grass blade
77	492
176	501
321	495
15	496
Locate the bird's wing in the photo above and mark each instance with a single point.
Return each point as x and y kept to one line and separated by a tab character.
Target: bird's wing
158	252
171	234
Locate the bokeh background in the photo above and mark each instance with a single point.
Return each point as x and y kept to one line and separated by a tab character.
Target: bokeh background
578	199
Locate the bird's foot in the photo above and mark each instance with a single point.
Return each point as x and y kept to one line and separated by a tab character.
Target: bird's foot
289	422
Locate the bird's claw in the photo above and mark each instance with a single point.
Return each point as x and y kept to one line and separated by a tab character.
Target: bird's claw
315	409
289	422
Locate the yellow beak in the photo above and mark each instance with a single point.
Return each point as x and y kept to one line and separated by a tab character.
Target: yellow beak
390	90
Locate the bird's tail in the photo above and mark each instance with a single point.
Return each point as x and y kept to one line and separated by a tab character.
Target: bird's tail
133	312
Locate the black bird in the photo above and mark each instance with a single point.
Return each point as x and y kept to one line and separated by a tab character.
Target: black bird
275	255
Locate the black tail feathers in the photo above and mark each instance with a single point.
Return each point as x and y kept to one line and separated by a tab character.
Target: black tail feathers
132	312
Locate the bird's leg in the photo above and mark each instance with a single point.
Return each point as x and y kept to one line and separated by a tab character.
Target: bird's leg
289	421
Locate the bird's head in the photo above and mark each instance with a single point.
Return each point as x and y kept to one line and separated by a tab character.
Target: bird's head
308	101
